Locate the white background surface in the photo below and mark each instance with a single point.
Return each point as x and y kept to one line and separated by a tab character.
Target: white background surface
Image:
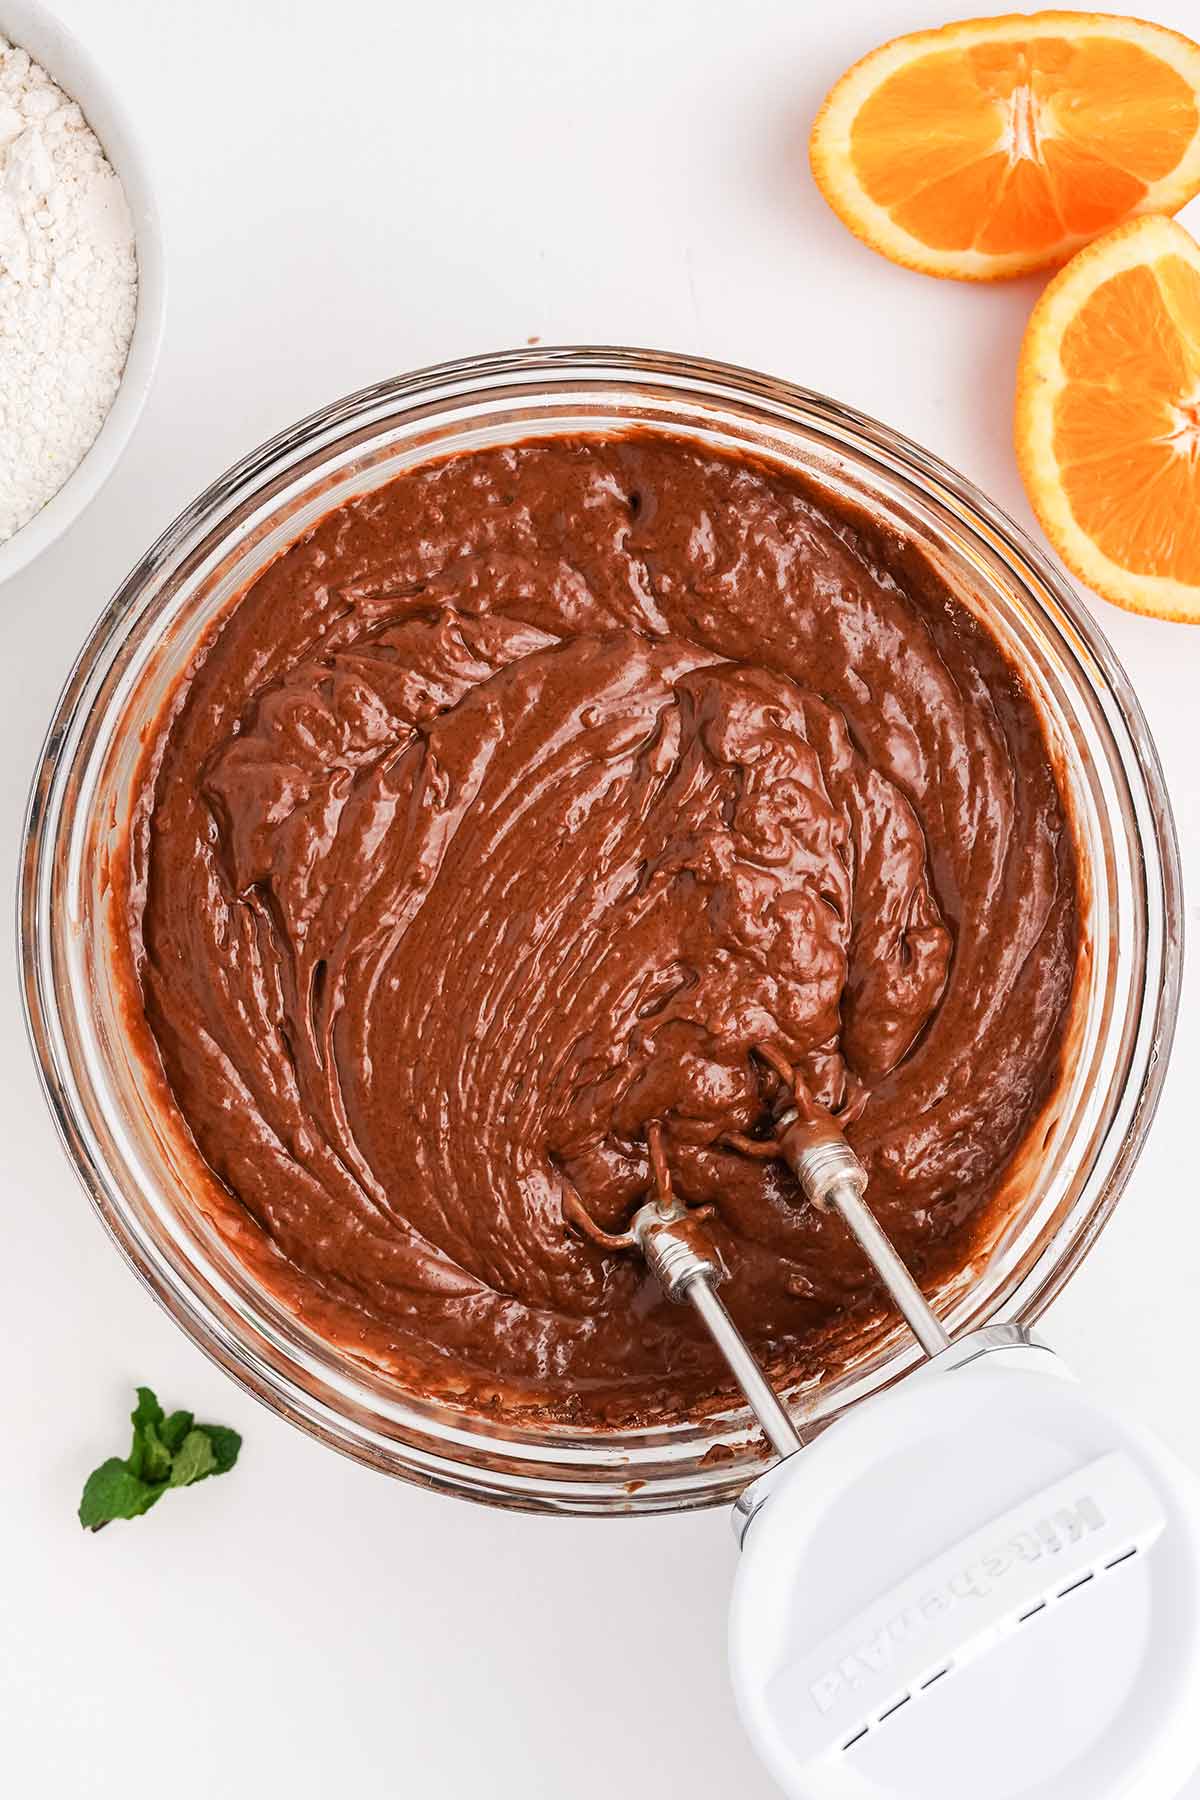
349	192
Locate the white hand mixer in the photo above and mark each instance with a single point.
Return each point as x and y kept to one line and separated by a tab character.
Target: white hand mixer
978	1585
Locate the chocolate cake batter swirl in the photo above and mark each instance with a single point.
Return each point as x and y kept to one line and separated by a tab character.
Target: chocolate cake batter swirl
503	815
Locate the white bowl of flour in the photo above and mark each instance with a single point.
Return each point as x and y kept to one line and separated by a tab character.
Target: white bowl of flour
81	281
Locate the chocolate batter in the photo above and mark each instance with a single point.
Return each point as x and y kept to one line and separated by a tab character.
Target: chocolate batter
504	814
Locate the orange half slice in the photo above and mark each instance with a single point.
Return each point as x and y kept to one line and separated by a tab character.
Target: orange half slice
1108	417
996	146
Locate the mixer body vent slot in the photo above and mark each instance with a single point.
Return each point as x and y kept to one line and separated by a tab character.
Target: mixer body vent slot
1124	1557
1072	1585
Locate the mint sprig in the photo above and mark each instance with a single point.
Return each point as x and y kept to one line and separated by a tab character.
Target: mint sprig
167	1452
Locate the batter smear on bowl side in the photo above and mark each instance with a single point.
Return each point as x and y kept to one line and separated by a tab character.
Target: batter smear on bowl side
505	814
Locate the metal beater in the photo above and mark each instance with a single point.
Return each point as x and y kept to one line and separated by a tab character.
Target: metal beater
830	1176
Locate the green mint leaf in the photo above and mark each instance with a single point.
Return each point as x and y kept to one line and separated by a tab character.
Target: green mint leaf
147	1411
165	1453
175	1429
225	1443
113	1492
193	1460
149	1459
155	1457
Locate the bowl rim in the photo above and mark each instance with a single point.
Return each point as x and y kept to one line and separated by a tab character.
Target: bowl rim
31	26
436	386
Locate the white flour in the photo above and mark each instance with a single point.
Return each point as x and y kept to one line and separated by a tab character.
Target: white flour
68	287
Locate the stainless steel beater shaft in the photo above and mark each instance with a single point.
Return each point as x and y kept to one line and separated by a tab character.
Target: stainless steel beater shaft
685	1269
831	1175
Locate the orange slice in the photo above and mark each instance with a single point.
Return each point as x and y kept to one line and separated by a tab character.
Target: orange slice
996	146
1108	417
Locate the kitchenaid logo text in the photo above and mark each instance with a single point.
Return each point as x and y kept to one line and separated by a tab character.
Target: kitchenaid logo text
1044	1537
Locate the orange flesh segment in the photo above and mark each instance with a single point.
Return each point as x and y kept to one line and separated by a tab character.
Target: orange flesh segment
1089	192
1015	145
928	122
1126	105
1127	425
1025	215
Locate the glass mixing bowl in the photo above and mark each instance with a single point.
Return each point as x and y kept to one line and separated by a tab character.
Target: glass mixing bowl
1074	1165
